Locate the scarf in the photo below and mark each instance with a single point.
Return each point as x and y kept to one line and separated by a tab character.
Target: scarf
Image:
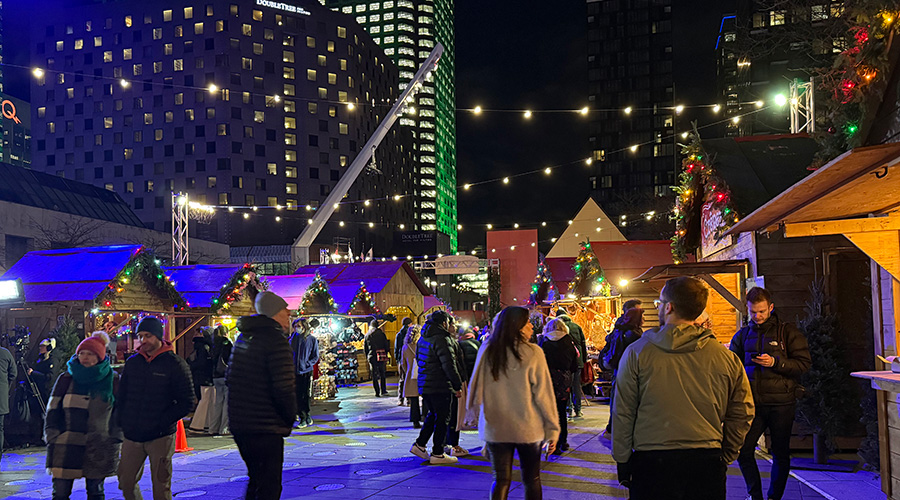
94	381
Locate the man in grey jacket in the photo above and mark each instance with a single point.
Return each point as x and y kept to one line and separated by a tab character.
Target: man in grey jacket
682	405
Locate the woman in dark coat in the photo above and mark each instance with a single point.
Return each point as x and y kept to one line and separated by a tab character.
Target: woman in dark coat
562	359
83	439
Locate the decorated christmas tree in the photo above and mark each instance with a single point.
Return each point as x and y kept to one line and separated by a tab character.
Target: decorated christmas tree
589	278
542	288
317	298
364	300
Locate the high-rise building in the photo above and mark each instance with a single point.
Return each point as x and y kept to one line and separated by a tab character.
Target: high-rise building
763	48
631	81
407	31
15	123
239	103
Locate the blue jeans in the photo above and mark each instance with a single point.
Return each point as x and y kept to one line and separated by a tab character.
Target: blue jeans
577	394
779	419
62	488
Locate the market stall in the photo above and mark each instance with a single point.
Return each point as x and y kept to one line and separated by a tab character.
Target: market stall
218	294
107	288
856	195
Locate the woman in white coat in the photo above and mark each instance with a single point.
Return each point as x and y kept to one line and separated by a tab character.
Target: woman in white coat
410	369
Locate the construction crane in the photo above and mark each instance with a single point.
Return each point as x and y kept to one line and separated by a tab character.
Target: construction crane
300	248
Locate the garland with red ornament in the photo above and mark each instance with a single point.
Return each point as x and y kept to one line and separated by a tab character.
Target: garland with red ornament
316	294
857	78
589	281
542	288
698	184
363	296
146	266
246	279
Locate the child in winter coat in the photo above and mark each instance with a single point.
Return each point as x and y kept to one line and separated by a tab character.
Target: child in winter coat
82	437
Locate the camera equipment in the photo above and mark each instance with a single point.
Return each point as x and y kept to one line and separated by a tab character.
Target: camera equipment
19	339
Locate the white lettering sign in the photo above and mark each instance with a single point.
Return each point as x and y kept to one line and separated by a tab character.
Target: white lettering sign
283	6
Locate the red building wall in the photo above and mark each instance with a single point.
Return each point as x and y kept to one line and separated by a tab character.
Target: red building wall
518	254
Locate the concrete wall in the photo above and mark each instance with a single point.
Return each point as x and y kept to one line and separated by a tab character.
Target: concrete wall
25	228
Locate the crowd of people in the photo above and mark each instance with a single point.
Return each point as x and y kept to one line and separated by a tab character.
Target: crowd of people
683	406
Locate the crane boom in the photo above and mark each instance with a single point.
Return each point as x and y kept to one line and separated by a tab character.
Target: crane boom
300	248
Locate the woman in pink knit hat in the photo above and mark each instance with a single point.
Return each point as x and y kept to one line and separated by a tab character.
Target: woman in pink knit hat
82	437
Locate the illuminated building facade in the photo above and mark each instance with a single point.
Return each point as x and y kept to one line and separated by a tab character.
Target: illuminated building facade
238	103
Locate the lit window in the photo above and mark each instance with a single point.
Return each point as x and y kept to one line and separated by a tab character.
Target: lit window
259	116
198	28
323	93
158	134
188	12
290	155
107	56
287	56
79	44
126	54
310	42
137	69
167	15
290	188
290	139
342	32
332	79
312	107
246	63
289	89
776	17
128	21
290	172
246	30
310	74
330	46
289	41
157	33
271	169
179	64
343	129
257	15
258	49
98	41
290	123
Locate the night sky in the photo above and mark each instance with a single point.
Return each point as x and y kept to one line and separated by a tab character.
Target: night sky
535	56
518	55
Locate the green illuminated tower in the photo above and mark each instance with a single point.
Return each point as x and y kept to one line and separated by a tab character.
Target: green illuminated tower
407	30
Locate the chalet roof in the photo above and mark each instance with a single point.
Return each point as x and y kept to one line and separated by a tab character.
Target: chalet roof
759	168
376	275
42	190
859	182
73	274
344	293
666	271
200	284
290	287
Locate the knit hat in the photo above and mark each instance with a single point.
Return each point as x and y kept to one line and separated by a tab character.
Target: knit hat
151	325
269	304
96	343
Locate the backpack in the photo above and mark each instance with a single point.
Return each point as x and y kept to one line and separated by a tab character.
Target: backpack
602	357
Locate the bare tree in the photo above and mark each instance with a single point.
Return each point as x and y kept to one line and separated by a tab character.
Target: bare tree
66	231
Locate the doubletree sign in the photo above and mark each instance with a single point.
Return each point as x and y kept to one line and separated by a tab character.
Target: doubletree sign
293	9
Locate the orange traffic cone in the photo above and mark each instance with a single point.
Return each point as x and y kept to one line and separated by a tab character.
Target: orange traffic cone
181	439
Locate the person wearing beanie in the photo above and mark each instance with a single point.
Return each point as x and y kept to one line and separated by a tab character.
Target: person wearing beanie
156	392
562	360
262	401
83	440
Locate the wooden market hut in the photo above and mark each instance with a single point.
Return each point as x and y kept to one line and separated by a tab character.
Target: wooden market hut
354	299
217	293
108	287
394	285
855	197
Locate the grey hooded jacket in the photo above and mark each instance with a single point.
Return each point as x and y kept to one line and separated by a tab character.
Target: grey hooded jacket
678	388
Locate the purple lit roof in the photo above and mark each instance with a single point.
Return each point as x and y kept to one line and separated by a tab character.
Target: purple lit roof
376	275
291	288
200	284
70	274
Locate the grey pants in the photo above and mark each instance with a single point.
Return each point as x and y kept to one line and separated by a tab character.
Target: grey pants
218	413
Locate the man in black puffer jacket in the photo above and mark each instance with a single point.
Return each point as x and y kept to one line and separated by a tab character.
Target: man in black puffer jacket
155	392
262	402
439	382
774	354
578	337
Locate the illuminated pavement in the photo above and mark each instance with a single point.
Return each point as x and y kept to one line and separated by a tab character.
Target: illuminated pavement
359	448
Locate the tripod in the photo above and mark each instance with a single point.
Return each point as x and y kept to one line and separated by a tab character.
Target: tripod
32	386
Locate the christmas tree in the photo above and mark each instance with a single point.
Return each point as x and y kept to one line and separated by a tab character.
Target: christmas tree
364	300
589	278
542	288
317	298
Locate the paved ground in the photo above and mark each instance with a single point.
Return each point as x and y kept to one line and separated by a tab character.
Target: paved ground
359	448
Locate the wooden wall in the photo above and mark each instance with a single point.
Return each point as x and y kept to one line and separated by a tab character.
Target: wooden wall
400	292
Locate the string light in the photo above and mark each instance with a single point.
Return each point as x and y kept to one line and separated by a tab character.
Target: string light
583	110
527	113
679	109
716	108
477	110
37	72
547	170
627	110
506	180
213	88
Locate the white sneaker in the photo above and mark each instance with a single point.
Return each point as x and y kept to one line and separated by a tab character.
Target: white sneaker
458	451
419	451
441	459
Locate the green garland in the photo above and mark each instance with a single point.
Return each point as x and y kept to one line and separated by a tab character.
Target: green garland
857	78
363	295
246	277
144	265
590	279
698	184
317	289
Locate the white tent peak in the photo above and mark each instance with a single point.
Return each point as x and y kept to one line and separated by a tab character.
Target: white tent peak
585	225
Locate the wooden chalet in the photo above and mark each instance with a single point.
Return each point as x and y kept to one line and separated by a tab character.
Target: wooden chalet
101	288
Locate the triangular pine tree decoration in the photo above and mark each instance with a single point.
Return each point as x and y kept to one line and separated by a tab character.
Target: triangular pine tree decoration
589	279
543	288
317	299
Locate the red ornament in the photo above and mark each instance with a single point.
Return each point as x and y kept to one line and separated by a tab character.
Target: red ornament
720	196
